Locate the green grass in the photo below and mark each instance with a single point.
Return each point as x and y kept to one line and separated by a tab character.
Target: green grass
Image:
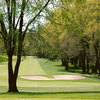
81	89
51	96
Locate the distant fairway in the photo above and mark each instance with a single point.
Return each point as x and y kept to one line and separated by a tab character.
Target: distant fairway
81	89
31	66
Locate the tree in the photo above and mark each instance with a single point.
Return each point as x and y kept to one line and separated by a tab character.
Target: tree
77	21
14	29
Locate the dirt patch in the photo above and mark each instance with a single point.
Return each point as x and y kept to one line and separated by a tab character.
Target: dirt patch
56	77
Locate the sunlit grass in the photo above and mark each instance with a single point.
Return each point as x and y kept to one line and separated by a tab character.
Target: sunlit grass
80	89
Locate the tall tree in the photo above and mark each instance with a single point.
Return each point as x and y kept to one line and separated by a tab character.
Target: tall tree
14	23
77	21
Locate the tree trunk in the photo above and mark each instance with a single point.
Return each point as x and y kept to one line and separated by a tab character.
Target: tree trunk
80	61
96	66
11	78
93	69
83	61
83	65
87	65
66	64
75	62
63	62
97	51
72	60
99	66
12	84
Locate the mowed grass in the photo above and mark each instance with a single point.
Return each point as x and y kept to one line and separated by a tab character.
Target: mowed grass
81	89
50	96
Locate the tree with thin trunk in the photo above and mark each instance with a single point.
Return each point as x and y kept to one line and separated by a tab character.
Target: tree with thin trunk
15	18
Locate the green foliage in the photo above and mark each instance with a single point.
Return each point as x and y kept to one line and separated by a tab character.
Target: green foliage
73	32
3	59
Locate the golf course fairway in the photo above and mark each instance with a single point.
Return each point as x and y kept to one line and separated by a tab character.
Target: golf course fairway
78	89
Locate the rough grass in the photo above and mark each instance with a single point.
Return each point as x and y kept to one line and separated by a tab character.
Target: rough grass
82	89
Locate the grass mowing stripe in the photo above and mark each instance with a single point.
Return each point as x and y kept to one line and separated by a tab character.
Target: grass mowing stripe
83	89
63	96
31	67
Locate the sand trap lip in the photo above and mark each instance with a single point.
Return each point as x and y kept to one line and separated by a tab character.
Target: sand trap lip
56	77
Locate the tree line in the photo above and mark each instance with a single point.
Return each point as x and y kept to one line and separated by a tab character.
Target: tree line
71	34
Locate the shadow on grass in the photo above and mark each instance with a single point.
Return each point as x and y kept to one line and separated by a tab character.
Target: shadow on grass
4	88
75	71
59	66
44	93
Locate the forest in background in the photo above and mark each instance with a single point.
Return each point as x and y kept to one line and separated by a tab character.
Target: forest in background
71	34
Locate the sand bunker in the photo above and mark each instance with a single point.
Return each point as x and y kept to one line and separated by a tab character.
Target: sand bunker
56	77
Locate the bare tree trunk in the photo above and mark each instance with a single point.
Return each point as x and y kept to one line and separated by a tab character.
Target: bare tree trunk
83	65
66	64
75	62
87	65
63	61
11	78
72	60
80	61
83	61
96	65
97	57
99	66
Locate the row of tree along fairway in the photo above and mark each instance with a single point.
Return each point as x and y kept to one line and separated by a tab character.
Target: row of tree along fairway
50	40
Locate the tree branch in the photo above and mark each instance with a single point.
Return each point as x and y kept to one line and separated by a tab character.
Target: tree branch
3	32
20	16
14	12
9	14
3	28
35	17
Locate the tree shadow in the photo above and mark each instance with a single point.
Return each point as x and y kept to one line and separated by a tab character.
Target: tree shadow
59	66
31	91
43	93
75	71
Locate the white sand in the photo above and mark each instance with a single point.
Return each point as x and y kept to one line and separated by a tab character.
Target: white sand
56	77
